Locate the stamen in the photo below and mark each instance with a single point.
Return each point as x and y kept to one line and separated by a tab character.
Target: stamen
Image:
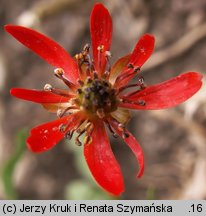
69	134
127	73
110	129
61	113
87	126
49	88
121	127
86	48
59	73
106	73
139	102
88	138
100	49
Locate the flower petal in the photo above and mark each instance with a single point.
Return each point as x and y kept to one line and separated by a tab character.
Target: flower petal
46	48
46	136
38	96
101	34
118	67
167	94
139	56
54	107
134	146
101	161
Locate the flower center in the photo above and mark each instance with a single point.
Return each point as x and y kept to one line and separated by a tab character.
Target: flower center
97	97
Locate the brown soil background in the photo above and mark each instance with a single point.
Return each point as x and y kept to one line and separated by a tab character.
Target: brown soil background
174	140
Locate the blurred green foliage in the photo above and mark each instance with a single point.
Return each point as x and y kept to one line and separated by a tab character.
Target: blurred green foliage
150	193
9	166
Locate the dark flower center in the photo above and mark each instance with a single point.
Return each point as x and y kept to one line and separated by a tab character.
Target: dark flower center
97	97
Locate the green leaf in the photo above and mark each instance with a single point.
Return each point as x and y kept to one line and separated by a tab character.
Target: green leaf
9	166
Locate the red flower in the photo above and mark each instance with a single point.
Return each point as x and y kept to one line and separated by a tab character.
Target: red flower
96	97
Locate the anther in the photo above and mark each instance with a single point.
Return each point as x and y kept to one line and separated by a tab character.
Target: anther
121	127
77	142
59	72
59	113
80	132
100	48
137	69
86	48
130	66
125	135
79	91
108	54
62	128
81	83
69	134
88	80
141	102
48	87
87	139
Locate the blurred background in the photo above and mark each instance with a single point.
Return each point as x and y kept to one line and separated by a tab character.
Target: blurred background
174	140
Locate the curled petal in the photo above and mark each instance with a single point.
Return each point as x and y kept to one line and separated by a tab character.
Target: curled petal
118	67
139	56
46	48
101	34
38	96
166	94
101	161
133	145
46	136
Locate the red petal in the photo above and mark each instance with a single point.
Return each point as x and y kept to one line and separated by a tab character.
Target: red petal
101	34
101	161
38	96
134	146
46	48
46	136
167	94
139	56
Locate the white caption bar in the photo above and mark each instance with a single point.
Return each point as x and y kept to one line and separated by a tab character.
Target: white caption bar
93	207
